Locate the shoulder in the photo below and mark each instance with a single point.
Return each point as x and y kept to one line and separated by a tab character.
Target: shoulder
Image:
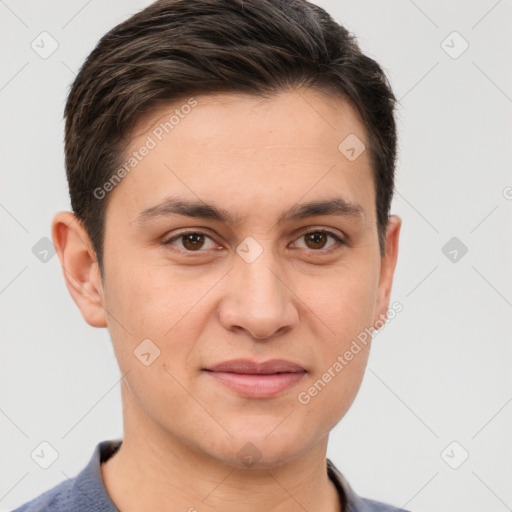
352	502
58	498
83	493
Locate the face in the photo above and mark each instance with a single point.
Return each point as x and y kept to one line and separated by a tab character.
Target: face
245	233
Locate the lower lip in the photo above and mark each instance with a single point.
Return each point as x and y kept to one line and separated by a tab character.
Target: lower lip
258	386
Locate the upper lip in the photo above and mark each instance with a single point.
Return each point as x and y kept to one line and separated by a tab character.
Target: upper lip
252	367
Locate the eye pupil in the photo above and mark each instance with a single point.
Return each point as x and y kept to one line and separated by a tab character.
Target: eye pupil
193	241
318	239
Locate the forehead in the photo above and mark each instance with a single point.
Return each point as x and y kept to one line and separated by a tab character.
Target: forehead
292	116
229	148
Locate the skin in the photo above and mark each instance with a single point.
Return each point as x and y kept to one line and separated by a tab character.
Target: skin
298	301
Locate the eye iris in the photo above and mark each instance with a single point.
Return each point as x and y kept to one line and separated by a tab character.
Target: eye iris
317	239
193	241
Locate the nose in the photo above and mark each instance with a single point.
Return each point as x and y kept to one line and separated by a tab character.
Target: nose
259	300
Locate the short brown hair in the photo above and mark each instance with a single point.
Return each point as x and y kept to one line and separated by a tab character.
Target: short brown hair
178	48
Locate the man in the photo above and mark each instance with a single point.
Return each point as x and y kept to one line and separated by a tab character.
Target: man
231	168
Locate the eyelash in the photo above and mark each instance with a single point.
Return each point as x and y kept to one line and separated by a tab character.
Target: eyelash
339	240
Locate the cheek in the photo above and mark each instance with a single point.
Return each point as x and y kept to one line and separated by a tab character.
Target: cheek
343	308
152	301
166	307
153	329
332	393
330	390
342	303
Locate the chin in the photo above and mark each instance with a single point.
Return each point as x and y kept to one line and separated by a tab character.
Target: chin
262	448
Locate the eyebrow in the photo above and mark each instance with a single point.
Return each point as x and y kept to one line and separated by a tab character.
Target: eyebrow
197	209
335	206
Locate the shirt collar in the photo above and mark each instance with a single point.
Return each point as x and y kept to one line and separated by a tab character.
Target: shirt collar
351	502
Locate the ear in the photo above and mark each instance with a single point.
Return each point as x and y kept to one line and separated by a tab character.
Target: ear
387	268
80	267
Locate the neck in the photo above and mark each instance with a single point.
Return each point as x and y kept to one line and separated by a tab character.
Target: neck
152	470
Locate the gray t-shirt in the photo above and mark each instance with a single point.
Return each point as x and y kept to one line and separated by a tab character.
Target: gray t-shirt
86	492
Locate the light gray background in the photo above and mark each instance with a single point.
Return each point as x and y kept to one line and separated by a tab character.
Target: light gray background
440	372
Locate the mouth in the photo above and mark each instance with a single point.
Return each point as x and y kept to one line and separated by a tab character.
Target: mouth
257	380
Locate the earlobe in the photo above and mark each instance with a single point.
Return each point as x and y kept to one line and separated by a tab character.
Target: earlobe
387	270
79	267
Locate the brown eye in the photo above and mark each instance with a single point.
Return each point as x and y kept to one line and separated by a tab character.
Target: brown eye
192	241
318	240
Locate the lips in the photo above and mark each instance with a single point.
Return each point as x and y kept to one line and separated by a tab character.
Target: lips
253	368
257	380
